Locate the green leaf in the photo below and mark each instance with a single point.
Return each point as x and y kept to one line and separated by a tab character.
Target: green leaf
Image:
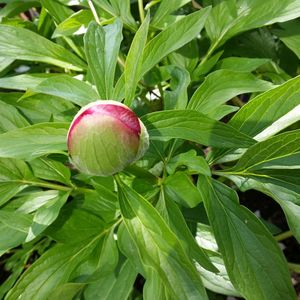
13	229
279	152
65	87
5	62
193	126
130	250
114	286
156	244
262	111
216	282
261	117
154	288
98	264
46	215
221	86
180	187
102	203
133	62
122	9
39	108
15	265
186	57
51	270
205	66
73	221
13	176
119	90
10	118
194	164
177	98
242	238
248	15
23	82
166	41
52	170
29	203
56	10
118	9
222	111
102	48
278	186
34	141
106	6
108	259
67	291
165	8
272	166
75	24
20	43
167	207
242	64
290	36
17	6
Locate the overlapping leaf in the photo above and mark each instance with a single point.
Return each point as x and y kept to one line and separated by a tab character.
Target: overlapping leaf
246	245
221	86
34	141
272	166
102	49
239	16
156	245
14	177
66	87
194	126
12	46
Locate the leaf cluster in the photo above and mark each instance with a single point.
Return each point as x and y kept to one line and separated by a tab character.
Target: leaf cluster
215	83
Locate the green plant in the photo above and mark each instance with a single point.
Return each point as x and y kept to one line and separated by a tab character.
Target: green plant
215	83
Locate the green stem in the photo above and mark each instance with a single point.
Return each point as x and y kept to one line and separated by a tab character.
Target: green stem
152	3
141	10
49	185
237	101
171	151
121	62
168	159
211	49
83	190
58	187
158	152
94	12
283	236
118	179
294	267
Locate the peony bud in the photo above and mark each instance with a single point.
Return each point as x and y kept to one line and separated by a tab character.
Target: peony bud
105	137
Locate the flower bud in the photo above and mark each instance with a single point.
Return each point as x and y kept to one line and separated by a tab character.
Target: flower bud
105	137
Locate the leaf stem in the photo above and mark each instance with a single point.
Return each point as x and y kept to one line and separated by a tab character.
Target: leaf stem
118	179
58	187
141	10
49	185
294	267
121	62
283	236
152	3
211	49
94	12
237	101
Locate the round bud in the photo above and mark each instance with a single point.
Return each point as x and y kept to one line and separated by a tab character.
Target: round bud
105	137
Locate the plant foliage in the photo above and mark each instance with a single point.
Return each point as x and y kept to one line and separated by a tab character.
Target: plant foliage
216	85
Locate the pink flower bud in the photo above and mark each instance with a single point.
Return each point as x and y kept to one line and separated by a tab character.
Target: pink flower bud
105	137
